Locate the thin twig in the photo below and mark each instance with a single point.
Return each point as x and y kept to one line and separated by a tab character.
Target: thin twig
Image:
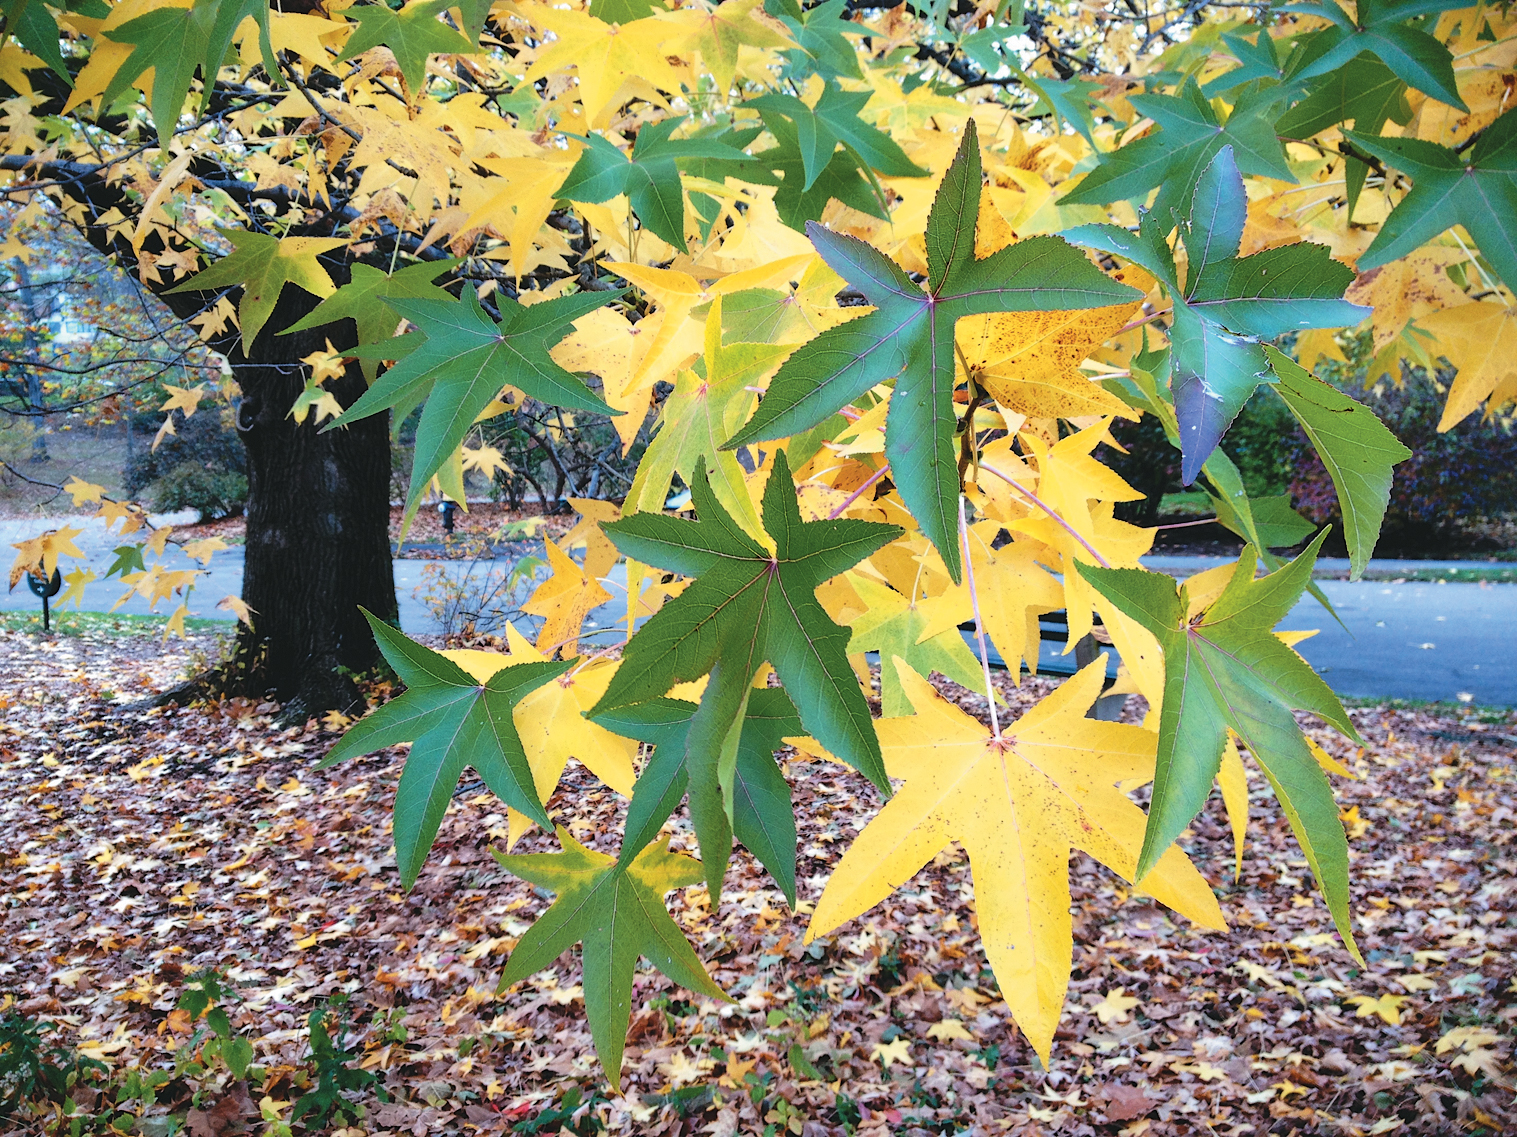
1037	501
1188	524
1138	323
979	624
32	481
856	494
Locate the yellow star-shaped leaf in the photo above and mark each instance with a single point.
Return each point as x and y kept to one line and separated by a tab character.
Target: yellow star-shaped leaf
41	553
1386	1007
183	399
1017	804
605	56
701	414
1114	1007
262	265
1480	339
720	30
76	580
203	549
950	1030
564	600
83	491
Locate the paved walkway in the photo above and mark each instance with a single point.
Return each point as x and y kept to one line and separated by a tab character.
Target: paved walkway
1410	640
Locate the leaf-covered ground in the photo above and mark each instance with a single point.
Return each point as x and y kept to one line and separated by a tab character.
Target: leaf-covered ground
139	847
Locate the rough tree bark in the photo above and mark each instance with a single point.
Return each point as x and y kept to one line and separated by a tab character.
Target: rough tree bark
318	543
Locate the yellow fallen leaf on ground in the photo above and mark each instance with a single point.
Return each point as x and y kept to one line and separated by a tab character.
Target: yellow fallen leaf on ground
1388	1007
1114	1007
947	1030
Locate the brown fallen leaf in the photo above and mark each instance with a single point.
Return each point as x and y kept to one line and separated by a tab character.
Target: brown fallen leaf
1123	1103
226	1116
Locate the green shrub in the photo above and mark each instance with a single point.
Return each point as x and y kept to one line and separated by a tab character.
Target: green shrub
333	1065
1263	442
213	493
32	1073
1451	480
202	466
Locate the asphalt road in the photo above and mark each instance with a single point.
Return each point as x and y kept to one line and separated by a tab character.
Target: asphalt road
1414	640
1411	640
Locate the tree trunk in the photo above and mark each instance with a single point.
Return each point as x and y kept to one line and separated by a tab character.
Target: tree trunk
34	393
318	543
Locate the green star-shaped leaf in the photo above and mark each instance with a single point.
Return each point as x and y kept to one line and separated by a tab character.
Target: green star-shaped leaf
1363	91
746	606
1224	669
832	122
1355	446
618	912
1171	159
754	805
174	43
1228	303
909	338
1257	60
624	11
458	359
649	176
262	265
413	34
1414	55
1478	191
365	301
128	559
453	722
819	35
1068	100
845	178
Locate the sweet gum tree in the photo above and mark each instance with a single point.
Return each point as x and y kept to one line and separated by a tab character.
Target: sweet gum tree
885	276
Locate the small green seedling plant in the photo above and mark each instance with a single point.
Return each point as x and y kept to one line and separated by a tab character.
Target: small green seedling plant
334	1071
